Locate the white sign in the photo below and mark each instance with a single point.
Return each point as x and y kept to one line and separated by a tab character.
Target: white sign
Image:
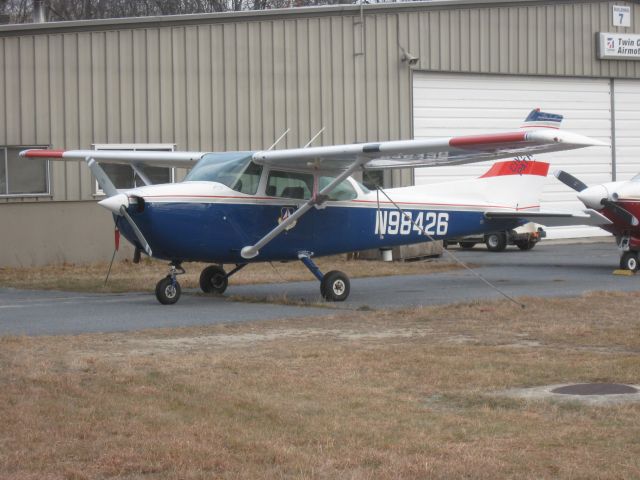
618	46
621	16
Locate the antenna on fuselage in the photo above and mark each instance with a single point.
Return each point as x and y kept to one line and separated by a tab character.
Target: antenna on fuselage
278	140
314	138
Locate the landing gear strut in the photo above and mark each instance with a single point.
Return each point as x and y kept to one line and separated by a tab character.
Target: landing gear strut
334	285
168	289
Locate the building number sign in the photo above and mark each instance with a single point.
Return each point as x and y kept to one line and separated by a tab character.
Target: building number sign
621	16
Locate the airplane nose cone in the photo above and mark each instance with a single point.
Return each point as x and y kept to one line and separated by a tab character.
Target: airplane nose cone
592	196
114	203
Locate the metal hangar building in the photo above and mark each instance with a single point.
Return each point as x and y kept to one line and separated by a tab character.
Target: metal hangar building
236	81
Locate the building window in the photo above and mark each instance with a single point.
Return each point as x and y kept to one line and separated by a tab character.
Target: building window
22	176
125	177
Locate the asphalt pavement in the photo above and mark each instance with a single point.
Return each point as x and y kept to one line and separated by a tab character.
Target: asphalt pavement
551	269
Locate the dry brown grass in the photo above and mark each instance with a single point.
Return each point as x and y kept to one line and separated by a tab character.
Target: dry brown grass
127	276
379	395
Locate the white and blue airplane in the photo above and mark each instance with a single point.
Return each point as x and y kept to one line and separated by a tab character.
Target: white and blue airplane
236	208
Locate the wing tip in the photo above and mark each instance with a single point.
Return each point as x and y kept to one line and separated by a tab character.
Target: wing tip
42	153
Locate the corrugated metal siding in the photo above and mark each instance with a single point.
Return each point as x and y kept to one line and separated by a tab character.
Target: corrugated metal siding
227	83
556	39
210	87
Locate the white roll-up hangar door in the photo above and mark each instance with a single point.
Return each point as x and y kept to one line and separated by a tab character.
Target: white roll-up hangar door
462	104
626	94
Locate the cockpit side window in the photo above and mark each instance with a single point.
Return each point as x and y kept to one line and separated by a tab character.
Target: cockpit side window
233	169
249	180
289	185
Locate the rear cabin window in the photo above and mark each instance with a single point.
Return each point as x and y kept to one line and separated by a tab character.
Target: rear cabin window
344	191
289	185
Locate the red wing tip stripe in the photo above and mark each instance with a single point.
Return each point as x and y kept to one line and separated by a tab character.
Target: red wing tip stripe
490	139
36	153
517	167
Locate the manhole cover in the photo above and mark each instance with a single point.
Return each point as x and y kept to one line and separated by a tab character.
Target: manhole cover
595	389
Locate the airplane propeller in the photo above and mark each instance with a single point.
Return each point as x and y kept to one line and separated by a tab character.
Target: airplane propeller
570	181
116	202
595	196
625	215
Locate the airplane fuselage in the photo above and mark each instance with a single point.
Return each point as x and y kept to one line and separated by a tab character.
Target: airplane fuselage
209	222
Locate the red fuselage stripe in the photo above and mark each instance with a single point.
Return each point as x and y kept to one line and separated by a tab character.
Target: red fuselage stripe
284	200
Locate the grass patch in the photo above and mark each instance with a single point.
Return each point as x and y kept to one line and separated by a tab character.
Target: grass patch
127	276
377	395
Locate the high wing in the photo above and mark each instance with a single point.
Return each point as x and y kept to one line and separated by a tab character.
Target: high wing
427	153
151	158
554	219
379	155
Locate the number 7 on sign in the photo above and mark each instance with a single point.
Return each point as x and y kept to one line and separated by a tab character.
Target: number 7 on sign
621	16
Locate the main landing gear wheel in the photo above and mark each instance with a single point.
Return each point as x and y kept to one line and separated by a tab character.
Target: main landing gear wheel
467	245
335	286
168	291
525	244
214	279
629	261
496	242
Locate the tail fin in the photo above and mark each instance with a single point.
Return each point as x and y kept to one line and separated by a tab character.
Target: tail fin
517	167
512	183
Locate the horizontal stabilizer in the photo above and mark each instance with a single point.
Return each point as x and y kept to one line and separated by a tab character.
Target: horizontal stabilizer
538	119
554	219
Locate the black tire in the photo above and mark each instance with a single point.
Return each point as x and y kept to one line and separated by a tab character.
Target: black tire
629	261
496	242
525	244
213	279
167	291
335	286
467	245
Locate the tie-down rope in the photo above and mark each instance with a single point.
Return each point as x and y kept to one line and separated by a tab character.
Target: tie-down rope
421	228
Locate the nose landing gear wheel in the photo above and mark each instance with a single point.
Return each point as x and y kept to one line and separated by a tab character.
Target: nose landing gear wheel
213	279
335	286
629	261
168	291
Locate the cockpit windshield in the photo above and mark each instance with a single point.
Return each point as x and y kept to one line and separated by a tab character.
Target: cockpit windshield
233	169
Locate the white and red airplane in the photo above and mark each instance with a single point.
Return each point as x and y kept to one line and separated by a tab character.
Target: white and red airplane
620	203
243	207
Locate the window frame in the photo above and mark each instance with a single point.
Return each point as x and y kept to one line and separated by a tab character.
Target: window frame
133	147
5	159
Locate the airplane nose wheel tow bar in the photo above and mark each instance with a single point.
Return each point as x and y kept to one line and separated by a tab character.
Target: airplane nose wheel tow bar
214	279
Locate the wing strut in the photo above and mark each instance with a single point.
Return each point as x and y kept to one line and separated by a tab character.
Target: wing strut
251	251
